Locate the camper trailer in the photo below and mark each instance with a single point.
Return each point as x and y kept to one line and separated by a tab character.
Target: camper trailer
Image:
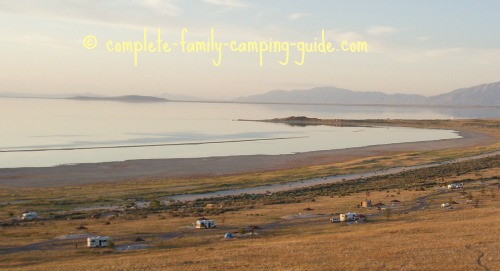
29	216
455	186
205	224
98	241
349	217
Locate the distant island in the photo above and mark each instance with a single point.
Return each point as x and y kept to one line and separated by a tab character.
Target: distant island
126	98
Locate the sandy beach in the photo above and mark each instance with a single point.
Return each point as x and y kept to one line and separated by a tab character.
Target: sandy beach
69	175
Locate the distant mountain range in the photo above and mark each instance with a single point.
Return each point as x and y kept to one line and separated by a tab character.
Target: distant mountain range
482	95
486	95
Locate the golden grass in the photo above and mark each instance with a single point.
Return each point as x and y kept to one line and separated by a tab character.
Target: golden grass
431	239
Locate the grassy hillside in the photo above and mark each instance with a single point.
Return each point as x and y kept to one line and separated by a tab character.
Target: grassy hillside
417	234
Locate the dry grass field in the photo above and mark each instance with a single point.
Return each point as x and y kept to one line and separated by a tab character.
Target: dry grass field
466	237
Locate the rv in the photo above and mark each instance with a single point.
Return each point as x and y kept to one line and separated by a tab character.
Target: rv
29	216
98	241
455	185
205	224
349	217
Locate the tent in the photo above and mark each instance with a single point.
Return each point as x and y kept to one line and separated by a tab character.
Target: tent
228	235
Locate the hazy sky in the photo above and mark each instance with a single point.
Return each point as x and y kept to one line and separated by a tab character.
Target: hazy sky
422	47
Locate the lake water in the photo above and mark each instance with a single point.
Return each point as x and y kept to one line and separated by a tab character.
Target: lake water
192	129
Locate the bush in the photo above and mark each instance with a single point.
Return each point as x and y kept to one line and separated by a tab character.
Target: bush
155	204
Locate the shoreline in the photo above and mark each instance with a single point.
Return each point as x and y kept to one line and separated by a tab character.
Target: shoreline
181	168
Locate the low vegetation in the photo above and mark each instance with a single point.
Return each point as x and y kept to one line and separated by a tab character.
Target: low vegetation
406	236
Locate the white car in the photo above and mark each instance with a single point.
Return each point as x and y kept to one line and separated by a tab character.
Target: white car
29	216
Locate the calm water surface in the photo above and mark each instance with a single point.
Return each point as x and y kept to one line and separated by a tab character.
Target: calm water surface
30	124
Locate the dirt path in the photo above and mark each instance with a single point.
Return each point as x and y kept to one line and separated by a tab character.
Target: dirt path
479	257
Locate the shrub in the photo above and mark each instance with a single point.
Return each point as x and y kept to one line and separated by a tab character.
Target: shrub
155	204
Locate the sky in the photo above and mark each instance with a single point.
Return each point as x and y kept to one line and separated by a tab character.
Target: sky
419	47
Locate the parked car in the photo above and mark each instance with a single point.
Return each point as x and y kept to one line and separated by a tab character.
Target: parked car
29	216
